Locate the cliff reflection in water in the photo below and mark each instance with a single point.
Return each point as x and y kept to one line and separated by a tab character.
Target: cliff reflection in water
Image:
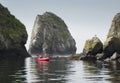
58	70
46	72
12	71
105	72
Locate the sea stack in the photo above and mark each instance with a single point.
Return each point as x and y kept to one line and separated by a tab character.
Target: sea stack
51	35
13	35
93	46
112	43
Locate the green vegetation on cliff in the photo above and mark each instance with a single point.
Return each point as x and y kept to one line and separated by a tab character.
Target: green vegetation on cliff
13	35
9	25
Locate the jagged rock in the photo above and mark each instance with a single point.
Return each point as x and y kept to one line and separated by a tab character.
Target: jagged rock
107	60
13	35
50	34
115	56
99	56
112	43
93	46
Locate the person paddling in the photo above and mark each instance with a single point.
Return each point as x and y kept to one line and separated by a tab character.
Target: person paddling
39	55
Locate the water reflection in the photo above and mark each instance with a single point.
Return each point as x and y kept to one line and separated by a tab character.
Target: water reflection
12	71
58	70
46	72
107	72
32	75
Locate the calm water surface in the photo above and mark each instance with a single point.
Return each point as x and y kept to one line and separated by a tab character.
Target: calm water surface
58	70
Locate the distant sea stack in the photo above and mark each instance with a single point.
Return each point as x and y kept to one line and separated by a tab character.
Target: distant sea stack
93	46
112	43
50	34
13	35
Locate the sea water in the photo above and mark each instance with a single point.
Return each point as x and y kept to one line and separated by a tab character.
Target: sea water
58	70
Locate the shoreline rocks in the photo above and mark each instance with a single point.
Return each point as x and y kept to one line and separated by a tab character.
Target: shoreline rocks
109	50
91	48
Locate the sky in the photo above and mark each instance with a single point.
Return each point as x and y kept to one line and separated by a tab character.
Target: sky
84	18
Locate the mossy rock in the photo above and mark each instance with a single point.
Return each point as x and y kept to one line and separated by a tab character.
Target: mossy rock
111	45
93	46
13	35
114	30
10	27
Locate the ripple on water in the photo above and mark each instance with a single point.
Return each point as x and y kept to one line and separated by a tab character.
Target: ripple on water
59	70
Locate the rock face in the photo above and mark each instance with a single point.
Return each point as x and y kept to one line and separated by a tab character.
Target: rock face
13	35
50	34
112	43
110	50
93	46
115	56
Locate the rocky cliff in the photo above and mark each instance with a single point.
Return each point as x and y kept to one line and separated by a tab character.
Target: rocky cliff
109	51
112	43
13	35
50	34
111	47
